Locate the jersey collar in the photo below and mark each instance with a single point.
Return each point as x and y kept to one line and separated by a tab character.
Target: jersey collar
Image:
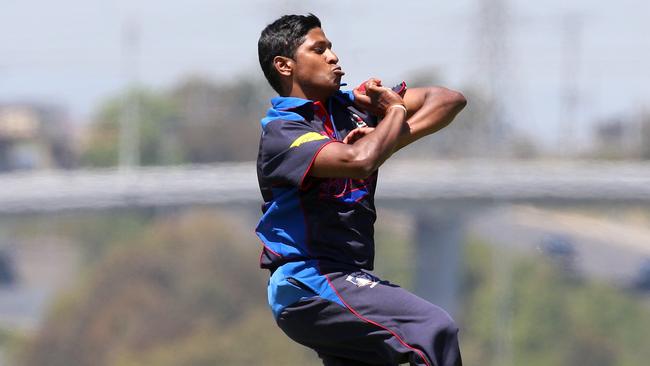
286	103
289	108
298	109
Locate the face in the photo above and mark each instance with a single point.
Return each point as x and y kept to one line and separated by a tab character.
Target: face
316	71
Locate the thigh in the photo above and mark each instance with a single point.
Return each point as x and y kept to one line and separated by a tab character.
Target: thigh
336	334
383	302
426	333
375	322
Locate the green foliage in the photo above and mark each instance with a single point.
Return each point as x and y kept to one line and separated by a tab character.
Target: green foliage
94	234
11	342
156	117
254	341
622	137
181	289
197	121
394	249
520	311
220	122
184	291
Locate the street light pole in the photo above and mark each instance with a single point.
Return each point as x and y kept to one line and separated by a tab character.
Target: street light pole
129	143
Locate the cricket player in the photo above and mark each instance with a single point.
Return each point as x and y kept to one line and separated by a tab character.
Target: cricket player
319	154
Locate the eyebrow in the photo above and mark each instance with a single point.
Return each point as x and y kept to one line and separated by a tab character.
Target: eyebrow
318	43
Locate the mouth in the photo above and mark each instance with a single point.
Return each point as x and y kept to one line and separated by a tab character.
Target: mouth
338	71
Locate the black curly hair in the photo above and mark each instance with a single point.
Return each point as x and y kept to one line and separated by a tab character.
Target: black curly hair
282	38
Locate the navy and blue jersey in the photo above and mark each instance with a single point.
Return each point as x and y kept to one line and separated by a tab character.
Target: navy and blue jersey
317	236
304	217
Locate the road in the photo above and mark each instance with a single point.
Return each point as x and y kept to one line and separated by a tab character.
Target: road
609	249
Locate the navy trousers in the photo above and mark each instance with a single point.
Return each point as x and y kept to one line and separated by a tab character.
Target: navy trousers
379	324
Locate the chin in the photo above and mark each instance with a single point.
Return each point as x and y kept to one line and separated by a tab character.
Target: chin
336	86
324	90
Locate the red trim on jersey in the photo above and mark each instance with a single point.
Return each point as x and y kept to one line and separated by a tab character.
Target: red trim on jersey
313	159
321	112
265	247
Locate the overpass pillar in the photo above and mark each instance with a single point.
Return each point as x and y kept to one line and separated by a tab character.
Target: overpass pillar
438	252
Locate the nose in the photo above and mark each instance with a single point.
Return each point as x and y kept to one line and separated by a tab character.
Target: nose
331	57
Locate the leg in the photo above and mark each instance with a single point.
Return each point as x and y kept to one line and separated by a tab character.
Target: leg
426	334
381	324
339	338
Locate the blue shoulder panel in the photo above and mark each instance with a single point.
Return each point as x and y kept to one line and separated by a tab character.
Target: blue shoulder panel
273	115
281	107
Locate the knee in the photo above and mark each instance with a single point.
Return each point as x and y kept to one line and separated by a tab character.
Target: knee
445	341
443	323
450	329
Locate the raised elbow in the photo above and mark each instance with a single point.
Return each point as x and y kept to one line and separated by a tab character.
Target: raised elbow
446	98
453	100
458	100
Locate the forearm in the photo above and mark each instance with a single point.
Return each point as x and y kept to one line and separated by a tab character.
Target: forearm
373	149
431	110
361	159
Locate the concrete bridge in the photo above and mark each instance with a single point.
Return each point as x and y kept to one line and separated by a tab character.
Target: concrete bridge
400	182
438	194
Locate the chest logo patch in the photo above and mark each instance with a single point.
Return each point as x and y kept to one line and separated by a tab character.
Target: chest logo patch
361	281
308	137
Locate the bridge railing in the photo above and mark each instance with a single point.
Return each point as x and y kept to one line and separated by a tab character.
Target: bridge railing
577	181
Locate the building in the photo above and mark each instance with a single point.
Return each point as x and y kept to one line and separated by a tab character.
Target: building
34	136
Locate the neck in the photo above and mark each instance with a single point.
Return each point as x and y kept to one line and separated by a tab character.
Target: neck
298	92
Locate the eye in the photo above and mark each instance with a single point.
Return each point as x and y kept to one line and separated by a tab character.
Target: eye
319	49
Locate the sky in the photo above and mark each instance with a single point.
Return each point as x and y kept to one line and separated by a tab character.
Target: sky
72	52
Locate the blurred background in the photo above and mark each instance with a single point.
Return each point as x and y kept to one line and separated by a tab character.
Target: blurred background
128	132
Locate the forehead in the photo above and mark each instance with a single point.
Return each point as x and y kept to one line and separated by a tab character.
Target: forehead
314	35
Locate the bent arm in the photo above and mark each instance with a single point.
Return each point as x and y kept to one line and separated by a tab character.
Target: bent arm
430	109
364	157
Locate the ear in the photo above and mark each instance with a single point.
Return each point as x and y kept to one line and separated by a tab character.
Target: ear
283	65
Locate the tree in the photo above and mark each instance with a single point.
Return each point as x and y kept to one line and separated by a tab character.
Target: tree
186	291
156	123
474	132
645	136
220	122
553	317
198	121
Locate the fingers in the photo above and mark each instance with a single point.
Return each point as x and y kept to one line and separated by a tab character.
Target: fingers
360	95
370	87
383	95
362	86
371	96
356	134
350	138
364	130
364	103
373	81
372	84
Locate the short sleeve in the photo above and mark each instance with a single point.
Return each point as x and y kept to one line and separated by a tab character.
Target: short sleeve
287	151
